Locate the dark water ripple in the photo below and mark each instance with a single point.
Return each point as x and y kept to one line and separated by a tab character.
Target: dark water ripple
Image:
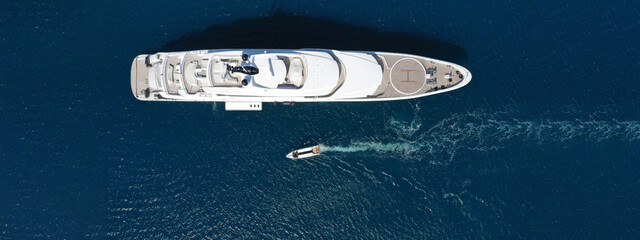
543	143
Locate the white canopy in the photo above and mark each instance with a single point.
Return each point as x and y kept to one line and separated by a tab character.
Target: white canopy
272	71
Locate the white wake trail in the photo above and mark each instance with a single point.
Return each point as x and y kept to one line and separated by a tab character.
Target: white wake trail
487	131
403	147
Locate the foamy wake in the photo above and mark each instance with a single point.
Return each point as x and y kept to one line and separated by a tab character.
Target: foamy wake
404	147
484	131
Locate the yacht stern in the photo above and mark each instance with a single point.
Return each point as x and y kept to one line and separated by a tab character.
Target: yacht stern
140	78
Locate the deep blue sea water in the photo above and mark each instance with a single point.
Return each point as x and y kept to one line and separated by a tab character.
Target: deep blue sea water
544	143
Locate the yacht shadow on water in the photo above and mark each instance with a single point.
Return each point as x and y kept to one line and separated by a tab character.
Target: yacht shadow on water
285	31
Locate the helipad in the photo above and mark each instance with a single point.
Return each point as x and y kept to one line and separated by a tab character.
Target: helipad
408	76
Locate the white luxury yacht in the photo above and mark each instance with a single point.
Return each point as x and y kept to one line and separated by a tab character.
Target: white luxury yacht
245	78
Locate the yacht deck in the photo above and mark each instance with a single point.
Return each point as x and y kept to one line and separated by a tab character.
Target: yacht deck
189	74
195	73
405	76
172	74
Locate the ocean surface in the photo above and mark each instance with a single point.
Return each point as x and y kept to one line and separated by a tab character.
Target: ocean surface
544	143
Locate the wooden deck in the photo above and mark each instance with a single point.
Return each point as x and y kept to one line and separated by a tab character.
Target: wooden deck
139	72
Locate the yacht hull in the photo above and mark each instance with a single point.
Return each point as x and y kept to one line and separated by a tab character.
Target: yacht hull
304	153
326	76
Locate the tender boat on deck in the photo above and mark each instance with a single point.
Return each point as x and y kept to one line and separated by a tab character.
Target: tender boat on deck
245	78
305	152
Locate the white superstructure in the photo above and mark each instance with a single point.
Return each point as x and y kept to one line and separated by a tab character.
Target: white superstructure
245	78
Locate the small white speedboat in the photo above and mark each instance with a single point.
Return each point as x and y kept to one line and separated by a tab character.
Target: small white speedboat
305	152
